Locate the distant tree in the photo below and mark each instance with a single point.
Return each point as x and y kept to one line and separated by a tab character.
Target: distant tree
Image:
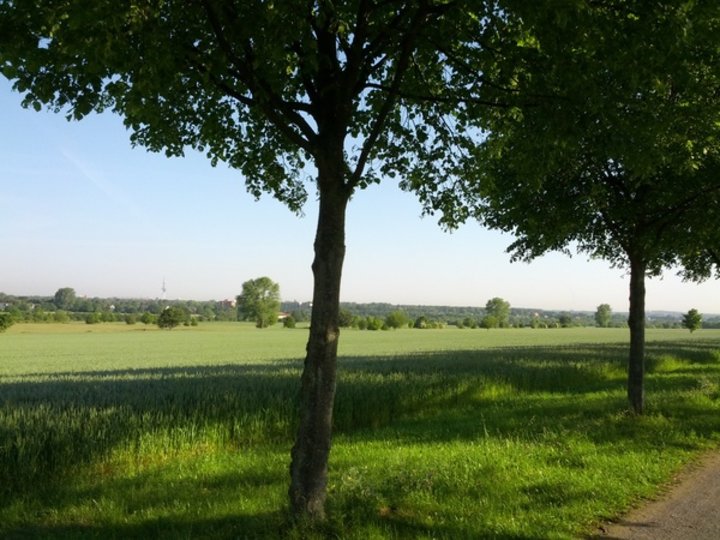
64	298
565	320
500	310
396	319
259	302
148	318
692	320
61	316
6	321
93	318
603	315
421	322
345	318
488	321
130	318
289	322
470	322
374	323
171	317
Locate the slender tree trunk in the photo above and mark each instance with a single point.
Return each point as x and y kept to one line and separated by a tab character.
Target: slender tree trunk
636	322
308	470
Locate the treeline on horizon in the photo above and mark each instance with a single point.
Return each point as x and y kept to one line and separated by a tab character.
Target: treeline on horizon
67	307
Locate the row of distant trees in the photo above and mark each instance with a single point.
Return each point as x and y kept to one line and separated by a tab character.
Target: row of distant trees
260	302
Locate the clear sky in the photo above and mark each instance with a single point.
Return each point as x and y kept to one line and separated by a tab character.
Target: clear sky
79	207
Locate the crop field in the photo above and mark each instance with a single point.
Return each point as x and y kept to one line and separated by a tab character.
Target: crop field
118	431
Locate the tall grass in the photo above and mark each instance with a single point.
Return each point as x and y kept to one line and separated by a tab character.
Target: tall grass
449	433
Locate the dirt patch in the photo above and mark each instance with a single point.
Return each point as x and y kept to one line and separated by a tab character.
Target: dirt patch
687	509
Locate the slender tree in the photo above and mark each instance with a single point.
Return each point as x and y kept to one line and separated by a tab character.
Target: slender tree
353	90
692	320
622	160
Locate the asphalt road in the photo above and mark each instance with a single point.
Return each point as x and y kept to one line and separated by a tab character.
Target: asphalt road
688	510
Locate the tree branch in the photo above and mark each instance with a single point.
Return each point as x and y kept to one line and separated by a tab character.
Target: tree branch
401	65
447	99
281	114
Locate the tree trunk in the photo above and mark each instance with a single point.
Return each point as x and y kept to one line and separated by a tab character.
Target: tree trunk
308	469
636	322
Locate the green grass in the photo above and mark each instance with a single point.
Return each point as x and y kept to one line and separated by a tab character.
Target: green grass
117	431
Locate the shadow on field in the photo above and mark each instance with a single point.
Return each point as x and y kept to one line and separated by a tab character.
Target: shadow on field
52	423
230	527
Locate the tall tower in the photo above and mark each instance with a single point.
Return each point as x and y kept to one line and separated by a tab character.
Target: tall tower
164	290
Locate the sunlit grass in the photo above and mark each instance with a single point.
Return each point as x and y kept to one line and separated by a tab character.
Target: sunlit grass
447	434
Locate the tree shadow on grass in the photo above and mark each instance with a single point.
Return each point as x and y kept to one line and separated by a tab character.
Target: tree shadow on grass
51	424
253	526
530	392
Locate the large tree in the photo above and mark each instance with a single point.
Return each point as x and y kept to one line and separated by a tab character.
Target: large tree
64	298
348	90
499	310
259	301
620	157
603	315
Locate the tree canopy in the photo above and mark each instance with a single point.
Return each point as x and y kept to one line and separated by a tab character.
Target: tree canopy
692	320
259	301
619	153
603	315
499	312
64	298
172	316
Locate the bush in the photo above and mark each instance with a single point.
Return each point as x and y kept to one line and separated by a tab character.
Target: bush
148	318
421	322
345	318
374	323
93	318
61	316
6	321
171	317
130	318
489	322
396	319
289	322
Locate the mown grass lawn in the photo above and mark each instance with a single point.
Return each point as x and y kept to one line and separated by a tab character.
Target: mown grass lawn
116	431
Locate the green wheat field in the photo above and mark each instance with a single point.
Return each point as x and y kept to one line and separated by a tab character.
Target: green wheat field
118	431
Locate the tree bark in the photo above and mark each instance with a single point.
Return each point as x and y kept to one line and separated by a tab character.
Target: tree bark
636	322
309	466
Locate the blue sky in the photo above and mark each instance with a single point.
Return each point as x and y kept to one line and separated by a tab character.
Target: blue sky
80	208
